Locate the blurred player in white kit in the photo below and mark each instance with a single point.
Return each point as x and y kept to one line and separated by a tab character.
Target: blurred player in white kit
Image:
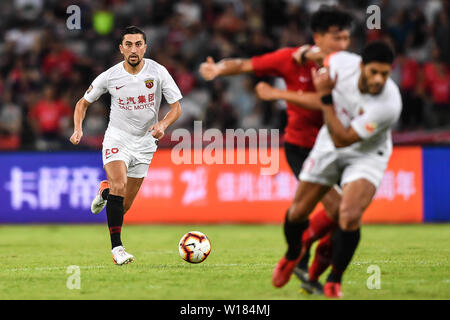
136	86
360	103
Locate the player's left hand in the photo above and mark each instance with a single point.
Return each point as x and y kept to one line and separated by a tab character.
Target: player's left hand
265	91
157	130
322	81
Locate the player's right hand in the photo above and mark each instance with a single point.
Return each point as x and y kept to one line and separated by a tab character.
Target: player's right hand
76	137
322	81
209	70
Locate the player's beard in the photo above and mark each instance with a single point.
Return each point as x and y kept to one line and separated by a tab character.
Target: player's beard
134	64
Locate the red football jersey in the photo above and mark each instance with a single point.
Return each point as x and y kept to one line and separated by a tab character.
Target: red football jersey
303	125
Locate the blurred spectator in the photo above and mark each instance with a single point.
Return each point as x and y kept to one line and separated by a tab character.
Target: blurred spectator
219	113
28	9
442	29
437	84
410	76
184	79
10	123
229	22
59	61
48	119
22	38
189	11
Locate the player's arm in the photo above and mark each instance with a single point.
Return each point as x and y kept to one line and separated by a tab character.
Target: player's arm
341	136
95	90
171	116
307	100
210	70
78	117
308	52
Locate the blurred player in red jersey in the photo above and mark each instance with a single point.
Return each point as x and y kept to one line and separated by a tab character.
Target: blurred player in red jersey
331	29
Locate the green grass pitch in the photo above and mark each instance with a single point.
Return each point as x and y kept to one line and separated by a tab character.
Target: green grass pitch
413	260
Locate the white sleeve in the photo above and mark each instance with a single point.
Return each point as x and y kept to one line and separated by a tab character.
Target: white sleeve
169	87
98	87
380	117
342	63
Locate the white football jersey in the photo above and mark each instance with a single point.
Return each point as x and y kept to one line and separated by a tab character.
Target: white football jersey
135	98
371	116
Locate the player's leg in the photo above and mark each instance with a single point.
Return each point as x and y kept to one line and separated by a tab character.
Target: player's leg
321	261
320	222
295	156
356	197
116	172
323	221
100	200
322	257
136	175
307	196
133	186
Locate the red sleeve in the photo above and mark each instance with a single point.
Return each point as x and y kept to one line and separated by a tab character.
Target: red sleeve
273	63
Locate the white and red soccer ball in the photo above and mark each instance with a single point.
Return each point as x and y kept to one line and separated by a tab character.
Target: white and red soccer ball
194	247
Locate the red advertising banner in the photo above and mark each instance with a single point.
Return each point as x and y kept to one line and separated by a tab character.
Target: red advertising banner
399	198
239	193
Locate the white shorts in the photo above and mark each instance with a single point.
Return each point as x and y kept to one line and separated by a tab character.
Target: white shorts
136	152
334	167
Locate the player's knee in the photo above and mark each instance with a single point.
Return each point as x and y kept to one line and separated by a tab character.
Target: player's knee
117	187
298	212
349	218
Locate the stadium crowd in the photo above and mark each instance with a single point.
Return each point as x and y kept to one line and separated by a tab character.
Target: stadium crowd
46	67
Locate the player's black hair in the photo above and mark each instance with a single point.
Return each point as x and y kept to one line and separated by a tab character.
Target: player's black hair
132	30
377	51
330	16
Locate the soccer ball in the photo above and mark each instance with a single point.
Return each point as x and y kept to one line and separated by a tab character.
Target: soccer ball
194	247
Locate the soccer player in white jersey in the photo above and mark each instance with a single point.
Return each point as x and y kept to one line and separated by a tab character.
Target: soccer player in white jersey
360	103
136	86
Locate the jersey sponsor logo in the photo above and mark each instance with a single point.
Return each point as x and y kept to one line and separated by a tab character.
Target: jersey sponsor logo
140	102
110	152
89	89
117	88
361	111
149	83
370	127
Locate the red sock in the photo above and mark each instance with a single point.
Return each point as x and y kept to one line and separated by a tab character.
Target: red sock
319	225
322	257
